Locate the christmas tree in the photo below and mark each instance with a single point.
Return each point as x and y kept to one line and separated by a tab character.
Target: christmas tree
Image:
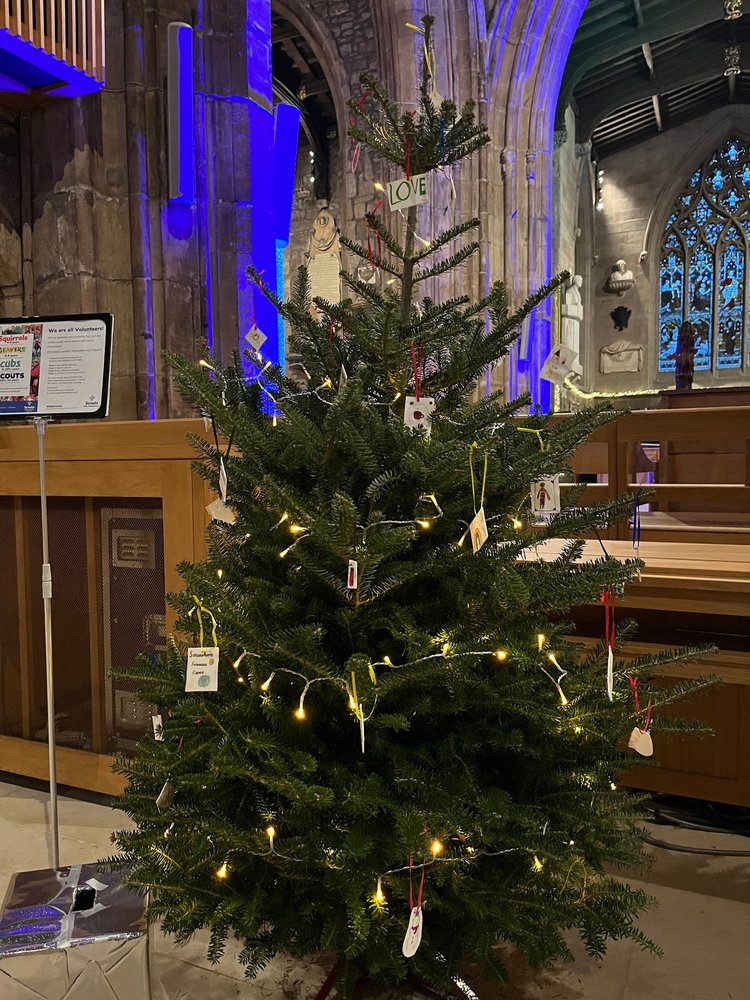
389	734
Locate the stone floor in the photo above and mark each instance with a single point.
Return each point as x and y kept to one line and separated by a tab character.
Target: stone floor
702	922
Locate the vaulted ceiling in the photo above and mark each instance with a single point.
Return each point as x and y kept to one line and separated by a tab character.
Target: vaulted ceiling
638	67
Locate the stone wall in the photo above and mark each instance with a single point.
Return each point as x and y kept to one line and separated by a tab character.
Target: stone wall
640	185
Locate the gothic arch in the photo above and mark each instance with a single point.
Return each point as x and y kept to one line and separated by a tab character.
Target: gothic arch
528	46
298	13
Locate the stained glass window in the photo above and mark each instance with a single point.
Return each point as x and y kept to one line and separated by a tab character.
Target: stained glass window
704	269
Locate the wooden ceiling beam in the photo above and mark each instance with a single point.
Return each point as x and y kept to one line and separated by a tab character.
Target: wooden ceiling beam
591	48
690	64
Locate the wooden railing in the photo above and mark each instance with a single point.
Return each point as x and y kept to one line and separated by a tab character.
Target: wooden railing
694	463
71	30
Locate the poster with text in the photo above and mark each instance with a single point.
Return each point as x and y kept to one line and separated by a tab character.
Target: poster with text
55	366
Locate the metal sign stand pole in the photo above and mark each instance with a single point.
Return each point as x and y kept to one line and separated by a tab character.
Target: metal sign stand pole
41	426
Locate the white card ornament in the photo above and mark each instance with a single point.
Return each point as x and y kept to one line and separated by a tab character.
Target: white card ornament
413	937
418	413
255	338
545	496
158	731
610	673
558	365
218	511
343	378
640	741
165	796
352	575
222	480
202	669
478	531
405	193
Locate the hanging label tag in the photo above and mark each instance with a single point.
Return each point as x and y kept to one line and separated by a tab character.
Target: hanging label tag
558	365
610	673
222	481
478	531
545	496
353	575
362	728
343	378
207	425
405	193
418	413
157	724
255	338
165	796
218	511
413	937
202	669
641	742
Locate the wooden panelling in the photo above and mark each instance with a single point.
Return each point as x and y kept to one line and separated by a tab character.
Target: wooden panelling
688	568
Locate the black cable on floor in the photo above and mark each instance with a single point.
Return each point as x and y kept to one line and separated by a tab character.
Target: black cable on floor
681	849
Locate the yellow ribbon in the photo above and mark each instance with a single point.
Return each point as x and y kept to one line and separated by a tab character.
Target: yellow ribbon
473	481
429	57
200	608
533	430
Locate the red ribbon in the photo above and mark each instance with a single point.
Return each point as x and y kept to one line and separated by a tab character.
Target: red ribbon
608	600
418	369
331	331
634	686
407	156
411	886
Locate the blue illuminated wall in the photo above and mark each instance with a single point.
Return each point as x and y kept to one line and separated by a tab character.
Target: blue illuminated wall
528	46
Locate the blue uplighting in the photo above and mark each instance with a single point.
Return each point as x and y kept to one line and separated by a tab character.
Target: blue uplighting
182	118
29	67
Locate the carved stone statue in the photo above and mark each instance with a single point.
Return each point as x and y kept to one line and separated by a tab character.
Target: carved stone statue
621	356
572	314
621	280
687	342
324	260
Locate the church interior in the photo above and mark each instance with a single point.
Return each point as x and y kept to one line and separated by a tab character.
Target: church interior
150	153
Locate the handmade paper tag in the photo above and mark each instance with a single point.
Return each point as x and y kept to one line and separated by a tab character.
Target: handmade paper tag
610	673
202	669
255	338
641	742
418	412
545	496
157	724
413	937
478	531
352	575
405	193
222	481
558	365
218	511
165	796
343	378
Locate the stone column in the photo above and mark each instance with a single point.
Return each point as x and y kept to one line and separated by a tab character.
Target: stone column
11	289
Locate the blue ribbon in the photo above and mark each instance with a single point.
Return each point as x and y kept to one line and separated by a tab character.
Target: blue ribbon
637	520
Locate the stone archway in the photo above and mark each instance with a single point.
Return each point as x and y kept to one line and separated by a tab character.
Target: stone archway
528	46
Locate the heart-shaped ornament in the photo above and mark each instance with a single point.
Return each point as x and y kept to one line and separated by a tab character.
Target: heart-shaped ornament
641	742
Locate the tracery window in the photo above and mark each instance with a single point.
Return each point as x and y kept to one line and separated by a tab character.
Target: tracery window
704	270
